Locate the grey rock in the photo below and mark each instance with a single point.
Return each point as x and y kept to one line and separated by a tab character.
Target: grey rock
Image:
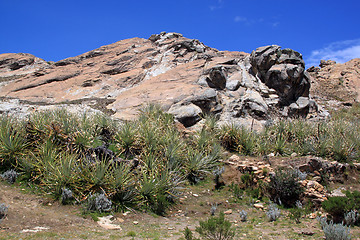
233	85
263	58
337	193
282	70
302	107
217	78
188	115
190	45
203	81
255	104
250	104
207	100
164	36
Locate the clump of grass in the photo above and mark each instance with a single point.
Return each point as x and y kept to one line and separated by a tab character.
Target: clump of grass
297	212
13	144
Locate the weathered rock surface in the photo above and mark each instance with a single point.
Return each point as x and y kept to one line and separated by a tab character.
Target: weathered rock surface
186	77
282	70
336	81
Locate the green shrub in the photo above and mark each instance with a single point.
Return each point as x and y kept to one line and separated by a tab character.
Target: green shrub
216	228
297	212
236	190
188	234
247	179
337	207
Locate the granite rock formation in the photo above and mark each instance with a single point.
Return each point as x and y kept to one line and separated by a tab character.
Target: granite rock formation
187	78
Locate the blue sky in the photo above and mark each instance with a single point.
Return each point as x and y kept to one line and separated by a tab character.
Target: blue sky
54	30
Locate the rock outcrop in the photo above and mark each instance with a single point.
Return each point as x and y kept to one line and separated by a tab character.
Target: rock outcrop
183	75
336	81
282	70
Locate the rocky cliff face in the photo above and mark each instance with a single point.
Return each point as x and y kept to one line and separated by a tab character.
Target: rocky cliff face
186	77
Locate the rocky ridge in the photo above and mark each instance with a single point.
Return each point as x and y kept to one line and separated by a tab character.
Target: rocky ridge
189	79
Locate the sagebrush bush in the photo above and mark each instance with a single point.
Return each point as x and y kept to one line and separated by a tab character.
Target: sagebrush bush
213	209
66	196
351	218
284	187
9	176
273	212
243	215
334	231
99	203
3	211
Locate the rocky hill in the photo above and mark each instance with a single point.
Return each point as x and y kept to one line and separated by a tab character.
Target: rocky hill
336	82
186	77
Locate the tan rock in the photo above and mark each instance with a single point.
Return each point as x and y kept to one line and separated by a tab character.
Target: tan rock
228	212
315	185
107	222
258	206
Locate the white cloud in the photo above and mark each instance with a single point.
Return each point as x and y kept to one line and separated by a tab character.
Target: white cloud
219	4
249	22
240	19
340	52
275	24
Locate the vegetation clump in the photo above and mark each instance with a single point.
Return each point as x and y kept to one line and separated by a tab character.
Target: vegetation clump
284	187
273	212
334	231
243	215
338	206
9	176
99	203
215	228
3	211
66	196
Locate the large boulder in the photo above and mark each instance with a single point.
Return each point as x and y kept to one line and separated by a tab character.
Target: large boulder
282	70
188	115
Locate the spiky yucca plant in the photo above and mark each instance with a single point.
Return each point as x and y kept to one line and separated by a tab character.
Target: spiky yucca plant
198	165
127	139
13	145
